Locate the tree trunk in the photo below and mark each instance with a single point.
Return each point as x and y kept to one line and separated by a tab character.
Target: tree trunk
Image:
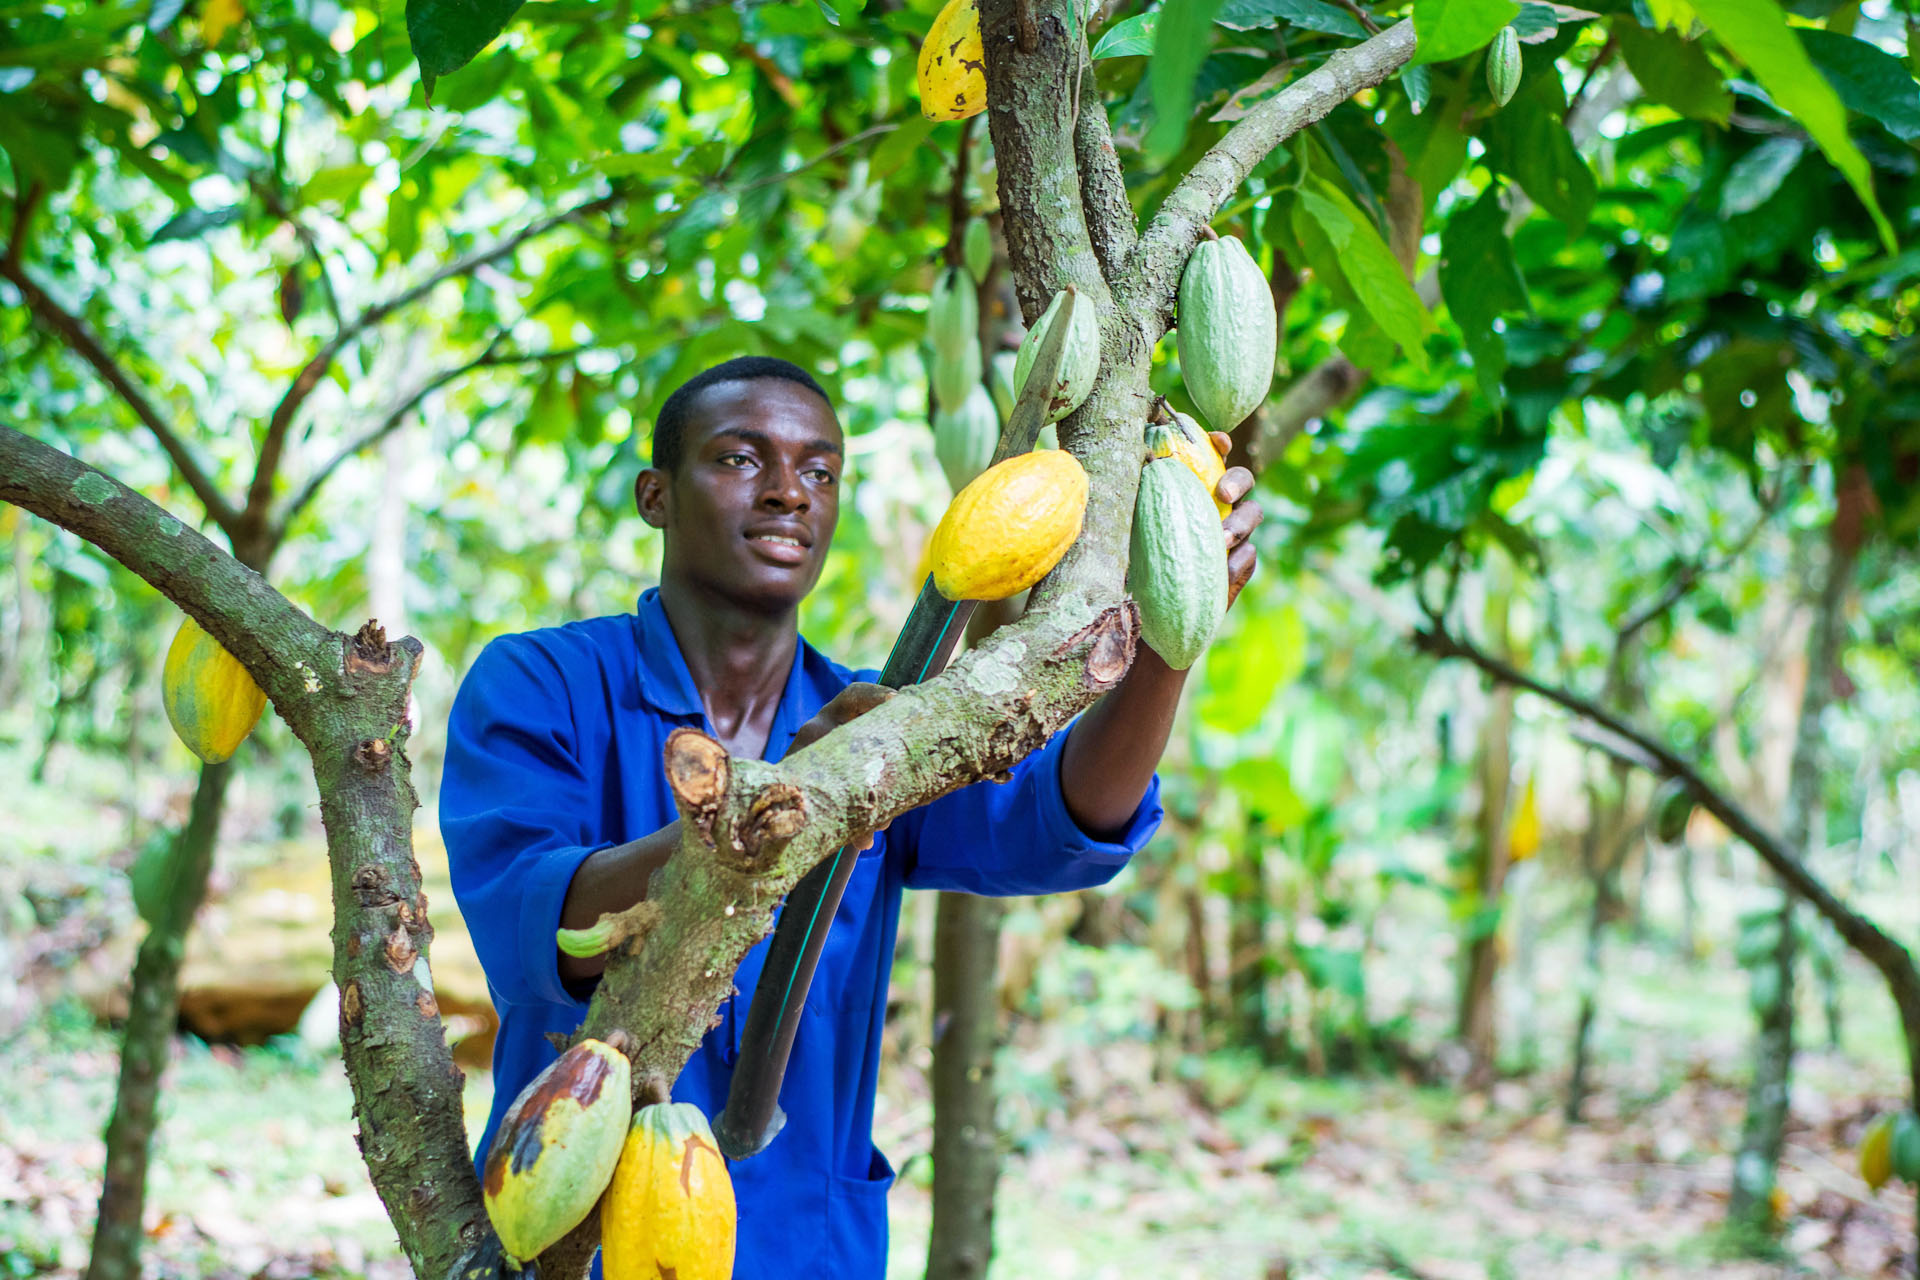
1689	903
1247	945
1478	1027
1590	979
153	1008
1764	1130
966	1141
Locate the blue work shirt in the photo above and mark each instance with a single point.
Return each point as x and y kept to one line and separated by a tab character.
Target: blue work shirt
554	752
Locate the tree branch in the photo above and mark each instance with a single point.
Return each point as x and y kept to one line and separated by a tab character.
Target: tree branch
1103	187
490	358
345	698
267	466
23	210
1153	269
80	339
1893	960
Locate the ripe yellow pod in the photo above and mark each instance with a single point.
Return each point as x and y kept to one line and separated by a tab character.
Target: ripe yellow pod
1007	529
557	1147
210	699
1876	1153
670	1210
1183	439
953	67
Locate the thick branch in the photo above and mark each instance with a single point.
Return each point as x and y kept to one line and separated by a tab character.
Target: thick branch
1153	269
260	493
490	358
1894	961
73	331
1103	187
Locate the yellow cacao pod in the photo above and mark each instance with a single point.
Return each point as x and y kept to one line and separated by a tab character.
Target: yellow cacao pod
1876	1153
953	67
557	1147
210	699
1183	439
1007	529
670	1210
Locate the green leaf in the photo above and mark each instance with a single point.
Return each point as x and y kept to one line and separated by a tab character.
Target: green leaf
189	223
1756	32
1479	279
1449	29
1869	79
1529	142
1130	39
446	34
341	183
1756	175
1310	15
1674	72
1179	48
1371	269
1253	661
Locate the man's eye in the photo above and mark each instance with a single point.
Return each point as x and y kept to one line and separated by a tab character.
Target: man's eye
734	460
823	476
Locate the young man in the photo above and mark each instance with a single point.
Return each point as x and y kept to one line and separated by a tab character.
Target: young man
555	807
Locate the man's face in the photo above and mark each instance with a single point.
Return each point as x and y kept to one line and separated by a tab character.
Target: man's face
749	512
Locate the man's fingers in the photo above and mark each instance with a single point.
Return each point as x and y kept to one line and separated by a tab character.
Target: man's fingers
1241	562
1234	485
1245	518
855	701
1221	441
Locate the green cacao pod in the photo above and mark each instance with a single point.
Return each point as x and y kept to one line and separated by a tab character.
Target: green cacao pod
1503	66
955	376
1765	992
151	874
977	249
964	439
1000	381
1228	332
1079	365
1904	1153
953	315
1675	811
1177	570
1876	1153
557	1148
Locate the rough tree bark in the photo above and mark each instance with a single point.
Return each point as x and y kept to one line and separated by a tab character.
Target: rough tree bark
750	829
966	1138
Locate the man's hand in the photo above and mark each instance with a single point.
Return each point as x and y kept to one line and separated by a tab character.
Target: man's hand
848	705
1245	517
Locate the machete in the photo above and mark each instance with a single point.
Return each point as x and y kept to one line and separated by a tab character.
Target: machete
925	644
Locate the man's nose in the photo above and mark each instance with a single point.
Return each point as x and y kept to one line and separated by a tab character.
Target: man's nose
783	490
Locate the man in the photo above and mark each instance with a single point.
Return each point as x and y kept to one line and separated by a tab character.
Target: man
555	806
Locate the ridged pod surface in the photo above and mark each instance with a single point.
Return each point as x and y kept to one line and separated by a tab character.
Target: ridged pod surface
1503	65
1228	332
955	377
211	701
953	314
1079	364
976	249
1177	568
953	70
557	1147
1007	529
670	1210
1183	439
964	439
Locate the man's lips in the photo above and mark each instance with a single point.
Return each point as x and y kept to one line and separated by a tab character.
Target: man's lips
781	546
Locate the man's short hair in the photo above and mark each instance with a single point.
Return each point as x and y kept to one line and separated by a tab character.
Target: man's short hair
669	429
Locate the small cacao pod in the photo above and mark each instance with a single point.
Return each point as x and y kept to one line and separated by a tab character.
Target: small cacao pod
151	875
1007	529
1503	66
1183	439
1765	992
952	70
953	314
955	377
211	701
976	249
1000	381
670	1210
1177	569
1228	332
1904	1148
1079	364
556	1148
1675	811
1876	1153
964	439
1523	836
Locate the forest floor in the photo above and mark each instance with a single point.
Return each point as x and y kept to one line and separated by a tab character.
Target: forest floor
1240	1172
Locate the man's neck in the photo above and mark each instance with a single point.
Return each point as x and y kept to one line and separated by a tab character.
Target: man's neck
739	659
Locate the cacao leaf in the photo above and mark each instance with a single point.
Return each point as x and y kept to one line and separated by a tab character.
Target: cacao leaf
1674	72
1479	280
1449	29
1868	78
446	34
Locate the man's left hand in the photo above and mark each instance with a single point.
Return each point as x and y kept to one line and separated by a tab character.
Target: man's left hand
1242	558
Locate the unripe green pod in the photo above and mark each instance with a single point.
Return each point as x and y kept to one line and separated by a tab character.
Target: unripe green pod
1228	332
953	315
1675	811
1000	381
1503	66
977	249
1177	569
964	439
955	375
1905	1147
1079	364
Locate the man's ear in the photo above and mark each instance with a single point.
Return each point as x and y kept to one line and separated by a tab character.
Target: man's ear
650	496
